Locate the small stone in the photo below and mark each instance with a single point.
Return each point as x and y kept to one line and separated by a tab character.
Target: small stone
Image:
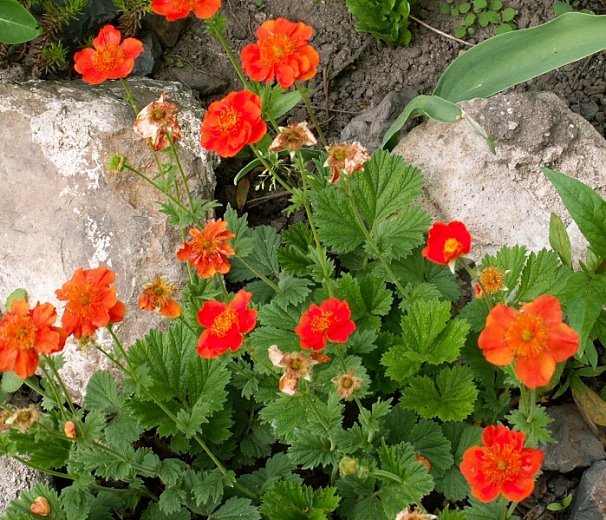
589	109
590	497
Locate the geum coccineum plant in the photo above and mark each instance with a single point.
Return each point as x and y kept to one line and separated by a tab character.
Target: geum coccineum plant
328	374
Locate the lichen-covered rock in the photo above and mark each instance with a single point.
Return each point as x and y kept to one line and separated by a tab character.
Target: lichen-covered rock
504	198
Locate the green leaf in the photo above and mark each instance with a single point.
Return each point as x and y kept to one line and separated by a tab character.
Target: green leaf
17	294
533	425
294	290
523	55
449	396
434	107
482	511
170	471
242	242
559	239
585	206
102	393
283	103
277	468
18	509
171	499
11	382
295	501
265	241
236	508
448	514
398	236
464	7
207	487
508	14
17	25
542	274
428	336
583	299
313	450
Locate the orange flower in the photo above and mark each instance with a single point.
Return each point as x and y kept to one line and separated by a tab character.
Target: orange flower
447	242
157	296
156	121
281	52
233	122
208	249
110	58
329	321
225	324
175	9
296	365
502	465
346	158
534	337
292	138
91	301
25	334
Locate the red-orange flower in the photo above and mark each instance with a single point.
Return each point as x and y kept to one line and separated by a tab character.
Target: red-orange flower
25	334
328	322
346	158
208	249
109	59
91	301
502	465
175	9
233	122
225	324
156	121
158	296
447	242
534	337
281	52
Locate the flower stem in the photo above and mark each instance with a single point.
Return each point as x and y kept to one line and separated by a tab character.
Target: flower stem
391	275
42	469
259	275
270	169
51	364
221	283
181	171
311	113
56	394
512	508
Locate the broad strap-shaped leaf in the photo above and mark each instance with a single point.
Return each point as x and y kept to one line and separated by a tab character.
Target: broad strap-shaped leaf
17	25
559	239
449	396
585	206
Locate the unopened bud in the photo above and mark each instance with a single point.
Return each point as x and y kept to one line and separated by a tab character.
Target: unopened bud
69	428
348	466
425	461
40	507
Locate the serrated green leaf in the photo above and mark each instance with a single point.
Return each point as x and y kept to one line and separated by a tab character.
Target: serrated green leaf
170	471
449	396
207	487
277	468
448	514
377	297
397	237
313	450
360	501
236	508
294	290
19	508
241	243
264	242
533	425
77	499
542	274
295	501
482	511
155	512
171	499
585	206
102	393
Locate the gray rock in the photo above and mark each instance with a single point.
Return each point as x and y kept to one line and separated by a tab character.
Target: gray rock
590	497
146	62
589	109
504	198
576	446
14	477
369	127
62	210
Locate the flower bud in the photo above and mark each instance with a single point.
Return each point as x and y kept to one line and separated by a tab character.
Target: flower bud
40	507
69	428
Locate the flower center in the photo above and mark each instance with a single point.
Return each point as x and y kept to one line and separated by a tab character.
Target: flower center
275	49
228	120
502	464
527	335
108	58
492	279
82	298
224	322
452	248
19	333
321	322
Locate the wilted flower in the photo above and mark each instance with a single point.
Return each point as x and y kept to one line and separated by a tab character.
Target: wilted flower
348	466
208	249
296	365
281	52
233	122
23	418
534	338
156	121
25	334
40	507
158	296
110	58
502	465
446	243
176	9
346	158
69	429
225	324
292	138
347	384
414	514
328	322
91	301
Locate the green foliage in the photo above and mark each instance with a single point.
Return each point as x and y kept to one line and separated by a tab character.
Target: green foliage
18	509
449	395
483	511
17	25
481	13
534	425
386	20
288	499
